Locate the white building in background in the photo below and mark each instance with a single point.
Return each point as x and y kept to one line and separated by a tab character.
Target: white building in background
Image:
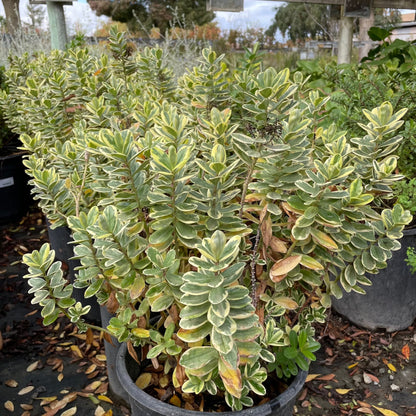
407	29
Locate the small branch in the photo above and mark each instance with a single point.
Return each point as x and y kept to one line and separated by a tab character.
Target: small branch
84	178
253	268
245	187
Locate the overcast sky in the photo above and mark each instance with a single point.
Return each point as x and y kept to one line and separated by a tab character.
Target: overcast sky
257	13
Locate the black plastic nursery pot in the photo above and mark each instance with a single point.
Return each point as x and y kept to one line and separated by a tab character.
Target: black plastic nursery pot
142	404
14	189
111	350
60	240
390	302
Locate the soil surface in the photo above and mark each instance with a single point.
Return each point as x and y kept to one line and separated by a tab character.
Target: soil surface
57	371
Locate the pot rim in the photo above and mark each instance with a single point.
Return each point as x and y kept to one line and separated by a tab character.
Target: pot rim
167	409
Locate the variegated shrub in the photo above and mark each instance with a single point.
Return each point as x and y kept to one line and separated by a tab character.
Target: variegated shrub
217	203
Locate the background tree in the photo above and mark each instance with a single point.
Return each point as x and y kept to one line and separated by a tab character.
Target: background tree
154	13
299	21
11	9
36	15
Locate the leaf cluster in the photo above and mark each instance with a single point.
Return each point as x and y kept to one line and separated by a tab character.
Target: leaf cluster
221	203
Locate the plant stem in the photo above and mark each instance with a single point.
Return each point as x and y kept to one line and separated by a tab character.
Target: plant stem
245	186
84	178
253	268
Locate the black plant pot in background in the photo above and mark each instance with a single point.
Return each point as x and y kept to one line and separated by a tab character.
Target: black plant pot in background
14	188
142	404
60	240
390	302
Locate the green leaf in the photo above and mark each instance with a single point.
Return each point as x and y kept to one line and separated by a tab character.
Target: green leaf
198	357
311	263
48	308
378	33
162	236
217	295
162	303
222	343
377	253
93	288
194	335
301	233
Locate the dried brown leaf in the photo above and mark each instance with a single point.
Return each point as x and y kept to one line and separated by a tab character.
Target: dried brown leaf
326	377
132	352
11	383
102	389
9	406
76	351
90	336
25	406
91	369
25	390
175	401
365	410
93	386
70	412
33	366
282	267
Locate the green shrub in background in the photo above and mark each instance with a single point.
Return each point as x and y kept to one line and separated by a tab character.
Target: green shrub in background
8	139
388	73
219	201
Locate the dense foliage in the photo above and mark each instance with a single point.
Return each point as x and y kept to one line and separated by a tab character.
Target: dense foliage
153	13
302	21
388	73
219	202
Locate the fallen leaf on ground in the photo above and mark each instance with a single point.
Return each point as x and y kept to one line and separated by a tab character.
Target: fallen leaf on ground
91	369
25	406
389	365
32	366
104	399
26	390
77	352
70	412
406	351
365	410
385	412
343	391
9	406
326	377
99	411
11	383
93	386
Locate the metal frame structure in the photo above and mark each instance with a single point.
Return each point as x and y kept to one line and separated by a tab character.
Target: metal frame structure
350	9
57	23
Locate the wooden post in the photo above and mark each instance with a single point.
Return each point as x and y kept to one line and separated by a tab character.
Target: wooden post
57	24
345	39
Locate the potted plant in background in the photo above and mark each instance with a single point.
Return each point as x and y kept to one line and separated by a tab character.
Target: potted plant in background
387	74
14	190
224	219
